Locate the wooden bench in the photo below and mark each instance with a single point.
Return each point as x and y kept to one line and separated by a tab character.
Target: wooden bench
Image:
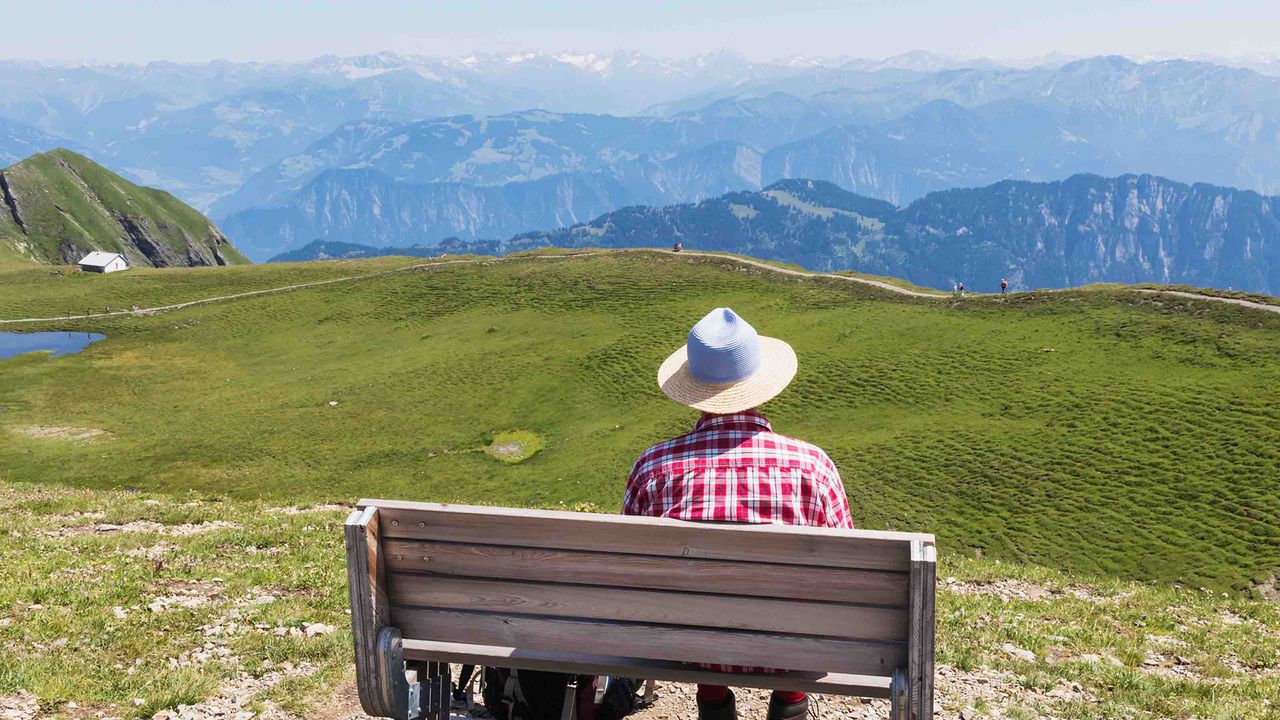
847	612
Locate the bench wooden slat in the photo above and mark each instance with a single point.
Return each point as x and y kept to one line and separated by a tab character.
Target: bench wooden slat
864	587
667	608
588	664
660	642
865	549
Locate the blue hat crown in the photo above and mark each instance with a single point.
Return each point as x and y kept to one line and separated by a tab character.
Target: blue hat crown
723	348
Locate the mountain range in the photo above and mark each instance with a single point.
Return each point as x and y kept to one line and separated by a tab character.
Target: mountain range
1085	229
204	131
1192	122
388	150
56	207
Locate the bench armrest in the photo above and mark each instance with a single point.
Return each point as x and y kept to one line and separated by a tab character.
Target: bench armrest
387	689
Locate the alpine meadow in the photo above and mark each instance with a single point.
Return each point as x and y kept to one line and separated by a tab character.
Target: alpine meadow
1070	442
1058	428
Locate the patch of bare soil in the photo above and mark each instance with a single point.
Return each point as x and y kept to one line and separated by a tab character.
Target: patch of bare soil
22	706
959	693
233	701
143	526
1269	589
1010	590
159	551
78	435
183	594
507	449
292	510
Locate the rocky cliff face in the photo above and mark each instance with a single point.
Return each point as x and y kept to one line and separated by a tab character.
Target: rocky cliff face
1132	228
1091	229
58	206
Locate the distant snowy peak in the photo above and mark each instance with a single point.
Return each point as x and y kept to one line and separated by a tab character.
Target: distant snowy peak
589	61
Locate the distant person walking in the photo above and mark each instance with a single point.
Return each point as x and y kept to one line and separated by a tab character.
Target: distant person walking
960	289
1004	285
726	370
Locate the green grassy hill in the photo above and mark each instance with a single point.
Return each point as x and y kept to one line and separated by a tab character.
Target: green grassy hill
1102	431
58	205
1093	437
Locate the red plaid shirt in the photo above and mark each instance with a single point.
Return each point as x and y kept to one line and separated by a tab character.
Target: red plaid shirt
734	468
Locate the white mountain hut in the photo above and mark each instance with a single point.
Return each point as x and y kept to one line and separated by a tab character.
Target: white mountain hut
103	262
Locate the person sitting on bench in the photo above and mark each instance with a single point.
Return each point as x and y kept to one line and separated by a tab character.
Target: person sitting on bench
732	467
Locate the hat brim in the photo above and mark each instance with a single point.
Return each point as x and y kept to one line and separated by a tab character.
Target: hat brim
776	370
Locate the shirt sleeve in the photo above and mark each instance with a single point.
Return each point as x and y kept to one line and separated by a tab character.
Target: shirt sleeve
837	502
633	500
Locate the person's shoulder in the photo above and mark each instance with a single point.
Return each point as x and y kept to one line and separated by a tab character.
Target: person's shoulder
659	453
807	450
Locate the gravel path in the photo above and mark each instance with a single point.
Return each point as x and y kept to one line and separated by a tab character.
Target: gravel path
806	273
1214	298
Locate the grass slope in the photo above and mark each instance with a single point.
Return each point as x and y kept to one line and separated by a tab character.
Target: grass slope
66	199
1104	432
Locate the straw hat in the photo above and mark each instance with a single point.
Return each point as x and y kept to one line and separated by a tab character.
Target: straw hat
725	367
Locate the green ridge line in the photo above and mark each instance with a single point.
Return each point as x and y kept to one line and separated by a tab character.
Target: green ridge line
443	263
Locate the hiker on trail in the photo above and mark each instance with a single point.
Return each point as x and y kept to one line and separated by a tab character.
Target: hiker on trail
677	247
960	289
731	467
1004	285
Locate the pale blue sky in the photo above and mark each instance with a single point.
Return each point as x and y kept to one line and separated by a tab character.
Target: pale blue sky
186	30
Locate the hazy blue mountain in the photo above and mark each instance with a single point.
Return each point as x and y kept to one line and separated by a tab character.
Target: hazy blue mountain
19	140
516	147
1058	234
937	146
1188	120
953	128
366	205
528	145
333	250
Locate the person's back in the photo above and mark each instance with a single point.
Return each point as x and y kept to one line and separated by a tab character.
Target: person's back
732	467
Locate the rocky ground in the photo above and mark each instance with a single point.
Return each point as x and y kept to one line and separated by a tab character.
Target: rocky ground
998	693
120	605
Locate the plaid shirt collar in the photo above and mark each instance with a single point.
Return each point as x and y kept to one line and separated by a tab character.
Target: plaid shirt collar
745	420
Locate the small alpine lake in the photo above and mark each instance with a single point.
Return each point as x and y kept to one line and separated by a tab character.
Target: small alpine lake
55	343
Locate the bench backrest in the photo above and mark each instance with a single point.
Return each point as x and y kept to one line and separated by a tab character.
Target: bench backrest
802	599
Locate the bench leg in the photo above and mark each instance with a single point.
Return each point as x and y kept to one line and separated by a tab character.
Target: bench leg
397	683
438	691
570	711
898	695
